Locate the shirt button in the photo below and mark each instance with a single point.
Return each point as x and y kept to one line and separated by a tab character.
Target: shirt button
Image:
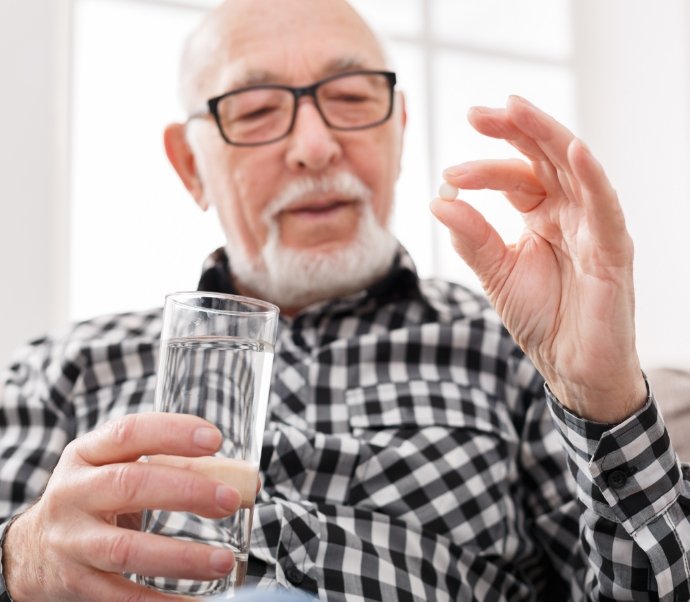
617	479
294	575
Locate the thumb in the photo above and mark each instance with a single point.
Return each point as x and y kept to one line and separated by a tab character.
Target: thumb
473	238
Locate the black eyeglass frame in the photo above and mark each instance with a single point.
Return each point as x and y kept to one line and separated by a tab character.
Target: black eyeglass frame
297	93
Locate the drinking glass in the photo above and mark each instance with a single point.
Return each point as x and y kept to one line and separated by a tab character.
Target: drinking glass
215	362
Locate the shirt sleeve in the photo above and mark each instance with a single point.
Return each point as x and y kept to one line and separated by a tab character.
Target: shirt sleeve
35	429
635	524
36	421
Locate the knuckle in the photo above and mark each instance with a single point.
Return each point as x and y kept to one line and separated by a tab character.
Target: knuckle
120	551
70	450
122	429
127	480
53	503
71	581
198	493
191	488
190	491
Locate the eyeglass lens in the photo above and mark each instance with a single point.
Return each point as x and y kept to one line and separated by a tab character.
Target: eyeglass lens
262	114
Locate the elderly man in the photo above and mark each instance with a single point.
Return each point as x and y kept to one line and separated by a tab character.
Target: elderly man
412	451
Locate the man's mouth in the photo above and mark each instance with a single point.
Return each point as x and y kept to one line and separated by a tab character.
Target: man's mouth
319	208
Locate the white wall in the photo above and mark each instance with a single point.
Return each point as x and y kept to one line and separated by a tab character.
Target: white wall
631	58
32	161
633	65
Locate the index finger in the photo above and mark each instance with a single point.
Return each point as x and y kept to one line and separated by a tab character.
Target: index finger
495	123
128	438
549	135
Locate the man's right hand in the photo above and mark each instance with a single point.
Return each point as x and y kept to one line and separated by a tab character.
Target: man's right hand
68	545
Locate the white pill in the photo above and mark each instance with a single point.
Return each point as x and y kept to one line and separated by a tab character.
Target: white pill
448	192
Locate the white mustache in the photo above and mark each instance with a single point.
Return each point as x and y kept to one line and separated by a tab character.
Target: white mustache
342	184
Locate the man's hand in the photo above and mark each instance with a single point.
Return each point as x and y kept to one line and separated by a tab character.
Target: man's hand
68	545
565	289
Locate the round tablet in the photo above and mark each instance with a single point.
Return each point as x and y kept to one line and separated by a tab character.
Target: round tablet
448	192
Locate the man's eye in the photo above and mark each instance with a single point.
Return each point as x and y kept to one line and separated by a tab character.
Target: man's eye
258	113
349	98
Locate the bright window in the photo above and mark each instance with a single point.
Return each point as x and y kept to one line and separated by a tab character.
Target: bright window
136	234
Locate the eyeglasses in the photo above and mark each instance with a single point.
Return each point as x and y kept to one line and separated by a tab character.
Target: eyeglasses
265	113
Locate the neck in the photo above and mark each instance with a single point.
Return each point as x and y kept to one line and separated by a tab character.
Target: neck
287	312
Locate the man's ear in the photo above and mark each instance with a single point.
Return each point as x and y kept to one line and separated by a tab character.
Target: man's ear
182	159
403	108
403	124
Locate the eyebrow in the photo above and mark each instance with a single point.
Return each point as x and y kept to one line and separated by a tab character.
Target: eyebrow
340	65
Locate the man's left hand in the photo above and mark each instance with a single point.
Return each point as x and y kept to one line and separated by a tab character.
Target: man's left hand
565	289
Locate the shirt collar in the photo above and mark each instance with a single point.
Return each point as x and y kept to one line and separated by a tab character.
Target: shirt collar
401	282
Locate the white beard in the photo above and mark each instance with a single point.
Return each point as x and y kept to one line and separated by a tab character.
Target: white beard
296	278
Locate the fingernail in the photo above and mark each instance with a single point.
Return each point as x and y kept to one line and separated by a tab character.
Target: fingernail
206	437
521	99
454	171
585	148
478	109
227	497
222	561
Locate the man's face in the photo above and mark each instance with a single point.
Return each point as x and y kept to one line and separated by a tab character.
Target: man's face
293	42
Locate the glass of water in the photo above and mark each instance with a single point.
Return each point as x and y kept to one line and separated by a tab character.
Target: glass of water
216	357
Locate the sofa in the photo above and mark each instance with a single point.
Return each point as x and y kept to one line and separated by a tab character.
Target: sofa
672	391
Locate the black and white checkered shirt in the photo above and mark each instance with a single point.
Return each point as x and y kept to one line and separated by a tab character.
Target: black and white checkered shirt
410	453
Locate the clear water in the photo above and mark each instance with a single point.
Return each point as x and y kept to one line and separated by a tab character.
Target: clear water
226	381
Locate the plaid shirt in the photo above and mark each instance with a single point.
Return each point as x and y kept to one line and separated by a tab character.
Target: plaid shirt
410	453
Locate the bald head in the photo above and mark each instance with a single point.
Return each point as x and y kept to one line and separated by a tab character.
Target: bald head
225	49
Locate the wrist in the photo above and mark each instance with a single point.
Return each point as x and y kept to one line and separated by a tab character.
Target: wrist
5	595
16	559
611	405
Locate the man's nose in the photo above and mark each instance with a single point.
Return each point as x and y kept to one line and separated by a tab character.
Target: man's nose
313	146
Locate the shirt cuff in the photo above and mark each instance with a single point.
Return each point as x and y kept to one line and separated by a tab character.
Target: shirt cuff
4	594
626	472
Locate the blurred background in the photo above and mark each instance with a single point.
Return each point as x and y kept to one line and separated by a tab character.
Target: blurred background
93	220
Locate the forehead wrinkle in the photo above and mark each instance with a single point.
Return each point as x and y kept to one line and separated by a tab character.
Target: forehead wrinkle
332	67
